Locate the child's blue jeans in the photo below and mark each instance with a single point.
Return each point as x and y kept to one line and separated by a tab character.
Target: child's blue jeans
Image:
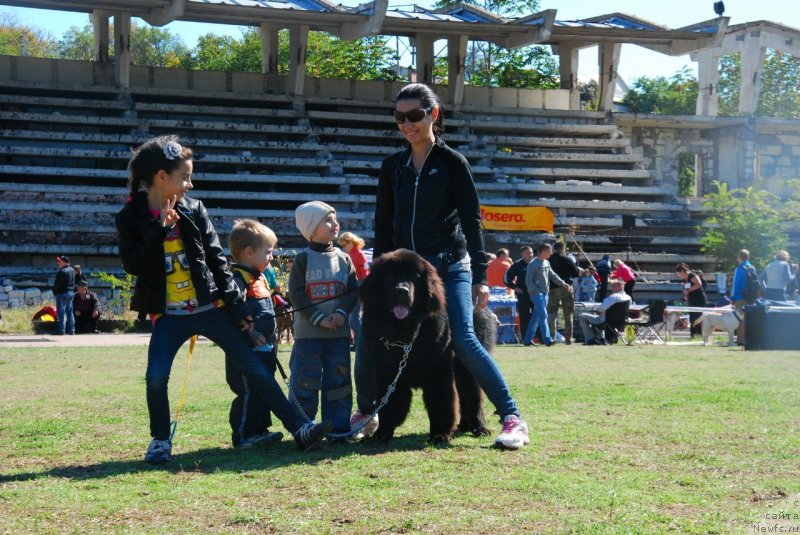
169	334
323	364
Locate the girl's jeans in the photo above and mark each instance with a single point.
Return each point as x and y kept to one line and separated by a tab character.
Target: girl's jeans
323	364
458	290
169	334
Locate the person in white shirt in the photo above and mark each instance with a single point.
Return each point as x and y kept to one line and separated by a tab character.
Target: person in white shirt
588	319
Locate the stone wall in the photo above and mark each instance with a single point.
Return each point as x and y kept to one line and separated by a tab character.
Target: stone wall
735	150
86	73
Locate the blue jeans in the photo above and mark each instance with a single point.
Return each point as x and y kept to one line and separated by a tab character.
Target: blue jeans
539	320
323	364
458	291
64	308
169	334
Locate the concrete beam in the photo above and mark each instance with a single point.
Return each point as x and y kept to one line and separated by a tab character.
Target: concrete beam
752	66
608	59
533	35
298	51
165	15
122	50
708	80
269	47
423	43
568	72
371	26
100	29
456	57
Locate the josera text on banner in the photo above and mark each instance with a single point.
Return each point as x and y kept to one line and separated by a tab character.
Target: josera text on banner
517	218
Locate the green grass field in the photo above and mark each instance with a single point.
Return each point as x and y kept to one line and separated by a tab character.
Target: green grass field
641	439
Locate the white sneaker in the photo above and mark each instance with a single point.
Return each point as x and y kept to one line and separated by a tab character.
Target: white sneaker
514	434
368	429
158	452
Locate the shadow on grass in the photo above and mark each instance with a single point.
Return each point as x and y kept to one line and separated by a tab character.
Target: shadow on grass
213	460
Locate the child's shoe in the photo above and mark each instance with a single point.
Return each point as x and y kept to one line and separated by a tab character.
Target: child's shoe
369	428
259	440
159	452
310	434
514	434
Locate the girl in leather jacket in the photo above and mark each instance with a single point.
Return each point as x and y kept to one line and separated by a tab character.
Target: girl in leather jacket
168	242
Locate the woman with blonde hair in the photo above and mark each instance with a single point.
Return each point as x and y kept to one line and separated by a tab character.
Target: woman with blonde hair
352	244
623	272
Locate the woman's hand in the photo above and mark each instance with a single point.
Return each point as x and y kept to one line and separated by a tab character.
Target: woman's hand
169	216
480	295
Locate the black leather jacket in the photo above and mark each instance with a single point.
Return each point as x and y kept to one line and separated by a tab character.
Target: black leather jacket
141	246
437	213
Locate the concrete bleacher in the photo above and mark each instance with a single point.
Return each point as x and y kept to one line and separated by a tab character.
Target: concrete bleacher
64	153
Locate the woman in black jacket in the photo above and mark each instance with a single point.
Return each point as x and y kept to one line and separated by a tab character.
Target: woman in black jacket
427	202
182	280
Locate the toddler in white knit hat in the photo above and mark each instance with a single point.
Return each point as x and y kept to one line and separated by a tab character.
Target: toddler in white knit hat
322	288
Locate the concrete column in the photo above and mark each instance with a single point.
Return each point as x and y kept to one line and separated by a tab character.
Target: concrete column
122	49
298	49
753	55
424	48
99	20
708	79
269	48
568	71
456	57
608	59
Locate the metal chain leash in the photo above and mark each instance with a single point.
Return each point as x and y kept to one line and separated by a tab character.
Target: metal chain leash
384	400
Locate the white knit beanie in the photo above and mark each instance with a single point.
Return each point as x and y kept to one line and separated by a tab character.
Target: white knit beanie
309	215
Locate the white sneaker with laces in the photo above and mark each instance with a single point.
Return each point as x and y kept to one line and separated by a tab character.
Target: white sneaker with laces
369	428
514	434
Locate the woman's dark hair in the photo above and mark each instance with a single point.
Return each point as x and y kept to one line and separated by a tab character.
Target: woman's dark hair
682	268
428	99
151	157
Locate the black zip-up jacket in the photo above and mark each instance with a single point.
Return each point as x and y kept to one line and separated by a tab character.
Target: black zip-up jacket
65	281
141	247
564	267
438	214
515	275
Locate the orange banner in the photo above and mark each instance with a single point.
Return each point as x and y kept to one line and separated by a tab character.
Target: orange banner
517	218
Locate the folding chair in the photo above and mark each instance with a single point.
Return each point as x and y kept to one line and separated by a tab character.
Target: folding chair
614	325
649	331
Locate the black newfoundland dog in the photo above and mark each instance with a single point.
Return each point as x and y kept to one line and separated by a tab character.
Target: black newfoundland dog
404	302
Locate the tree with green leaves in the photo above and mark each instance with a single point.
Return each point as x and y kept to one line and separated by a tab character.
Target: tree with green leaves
488	64
152	47
743	218
19	40
676	95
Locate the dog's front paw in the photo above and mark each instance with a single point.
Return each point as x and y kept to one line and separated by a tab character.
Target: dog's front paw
480	432
439	439
383	435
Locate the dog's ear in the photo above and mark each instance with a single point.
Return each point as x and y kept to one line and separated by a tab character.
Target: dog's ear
435	287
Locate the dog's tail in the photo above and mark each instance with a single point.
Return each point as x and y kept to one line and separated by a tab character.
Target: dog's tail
485	328
698	321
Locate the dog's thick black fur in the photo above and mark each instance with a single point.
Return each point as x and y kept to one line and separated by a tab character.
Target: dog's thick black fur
404	302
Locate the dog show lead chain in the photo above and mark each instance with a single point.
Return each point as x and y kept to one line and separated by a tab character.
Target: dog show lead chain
384	400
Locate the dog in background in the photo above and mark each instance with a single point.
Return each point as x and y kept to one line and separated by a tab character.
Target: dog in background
404	303
284	318
724	320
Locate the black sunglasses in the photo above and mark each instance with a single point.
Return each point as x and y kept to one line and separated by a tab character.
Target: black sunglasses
414	116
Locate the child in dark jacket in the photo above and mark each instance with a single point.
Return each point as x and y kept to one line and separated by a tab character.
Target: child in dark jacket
251	245
167	241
